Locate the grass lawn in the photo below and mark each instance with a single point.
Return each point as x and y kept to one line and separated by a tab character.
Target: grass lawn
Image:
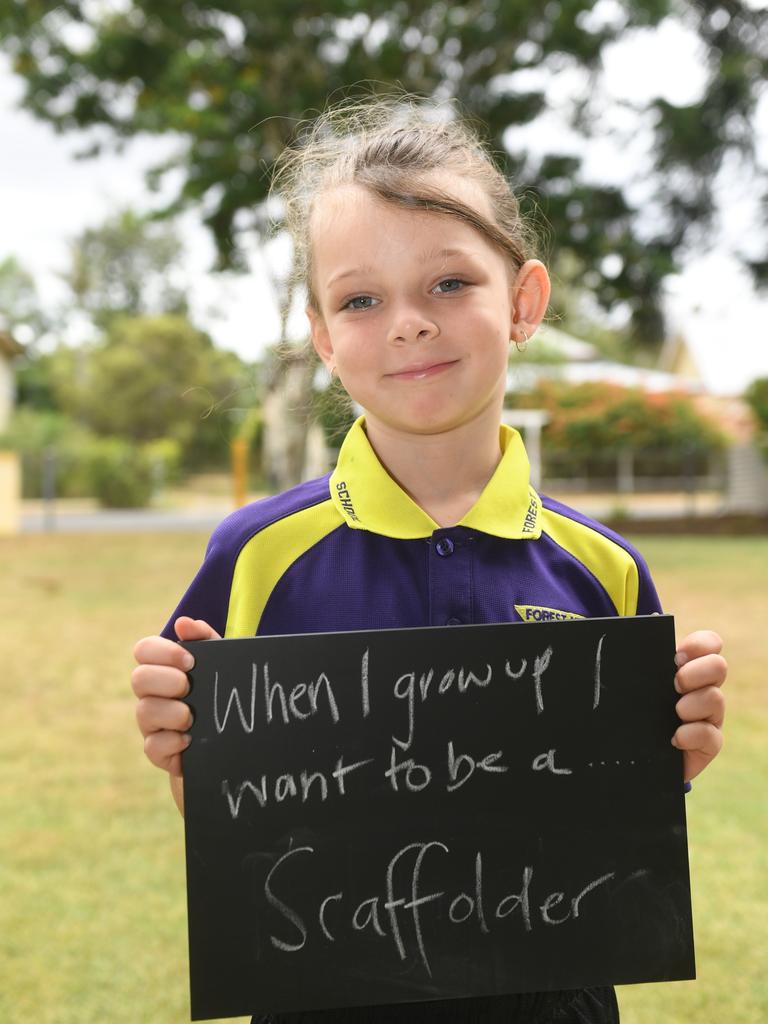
92	915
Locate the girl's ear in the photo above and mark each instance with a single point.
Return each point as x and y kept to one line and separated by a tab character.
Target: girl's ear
321	339
530	297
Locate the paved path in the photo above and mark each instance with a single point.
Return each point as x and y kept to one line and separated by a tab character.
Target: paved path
83	517
121	520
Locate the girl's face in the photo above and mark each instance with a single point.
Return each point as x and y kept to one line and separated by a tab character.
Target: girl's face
416	310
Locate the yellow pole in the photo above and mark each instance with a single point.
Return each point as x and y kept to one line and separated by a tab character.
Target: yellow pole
239	449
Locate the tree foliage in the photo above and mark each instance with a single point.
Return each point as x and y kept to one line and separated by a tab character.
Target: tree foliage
121	473
20	309
230	79
126	267
153	378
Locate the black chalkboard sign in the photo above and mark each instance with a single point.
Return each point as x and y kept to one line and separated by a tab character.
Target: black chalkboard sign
403	815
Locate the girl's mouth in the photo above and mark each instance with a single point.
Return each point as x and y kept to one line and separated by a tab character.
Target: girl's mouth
422	371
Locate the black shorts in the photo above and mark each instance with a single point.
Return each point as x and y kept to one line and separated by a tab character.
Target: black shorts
582	1006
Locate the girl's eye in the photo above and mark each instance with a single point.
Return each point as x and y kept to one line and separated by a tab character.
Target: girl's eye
359	298
359	302
451	281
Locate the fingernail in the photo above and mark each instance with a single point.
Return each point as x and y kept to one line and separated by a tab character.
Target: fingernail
188	661
681	658
187	740
675	743
678	687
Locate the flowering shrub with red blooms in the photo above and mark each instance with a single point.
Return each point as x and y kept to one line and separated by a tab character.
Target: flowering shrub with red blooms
598	418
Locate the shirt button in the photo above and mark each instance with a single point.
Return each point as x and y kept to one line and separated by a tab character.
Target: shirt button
453	622
444	547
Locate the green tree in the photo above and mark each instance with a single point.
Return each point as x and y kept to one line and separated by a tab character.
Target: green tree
21	314
127	266
230	79
20	309
154	378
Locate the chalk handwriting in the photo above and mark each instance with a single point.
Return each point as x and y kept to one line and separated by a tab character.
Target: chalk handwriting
416	777
301	701
283	908
304	700
234	696
598	683
365	695
407	689
540	666
286	785
321	914
516	675
406	897
464	765
471	905
547	760
298	692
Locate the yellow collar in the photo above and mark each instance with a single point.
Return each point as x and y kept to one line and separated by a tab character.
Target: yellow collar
369	499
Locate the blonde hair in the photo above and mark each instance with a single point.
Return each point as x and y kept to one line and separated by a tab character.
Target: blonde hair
387	145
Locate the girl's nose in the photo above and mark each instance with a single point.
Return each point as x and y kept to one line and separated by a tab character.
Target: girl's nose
412	326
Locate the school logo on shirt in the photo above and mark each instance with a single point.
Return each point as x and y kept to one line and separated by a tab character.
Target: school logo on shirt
537	613
345	500
532	514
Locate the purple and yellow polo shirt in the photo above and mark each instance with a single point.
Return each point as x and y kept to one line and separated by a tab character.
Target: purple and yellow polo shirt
351	550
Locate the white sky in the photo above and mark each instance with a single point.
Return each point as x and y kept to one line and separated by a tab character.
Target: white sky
48	197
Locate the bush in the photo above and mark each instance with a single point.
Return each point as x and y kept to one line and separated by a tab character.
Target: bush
594	419
117	472
121	473
165	456
38	435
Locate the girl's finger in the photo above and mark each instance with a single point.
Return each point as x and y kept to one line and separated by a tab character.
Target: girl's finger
699	737
708	670
696	645
154	714
156	650
194	629
159	681
705	705
164	749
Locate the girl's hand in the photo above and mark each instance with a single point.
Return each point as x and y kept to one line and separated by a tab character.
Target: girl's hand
701	673
159	682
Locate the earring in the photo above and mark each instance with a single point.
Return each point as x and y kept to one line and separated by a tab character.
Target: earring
332	370
521	346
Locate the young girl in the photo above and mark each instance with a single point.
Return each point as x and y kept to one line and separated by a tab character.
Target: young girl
419	277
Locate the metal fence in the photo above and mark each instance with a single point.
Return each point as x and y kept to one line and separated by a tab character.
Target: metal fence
629	471
639	482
